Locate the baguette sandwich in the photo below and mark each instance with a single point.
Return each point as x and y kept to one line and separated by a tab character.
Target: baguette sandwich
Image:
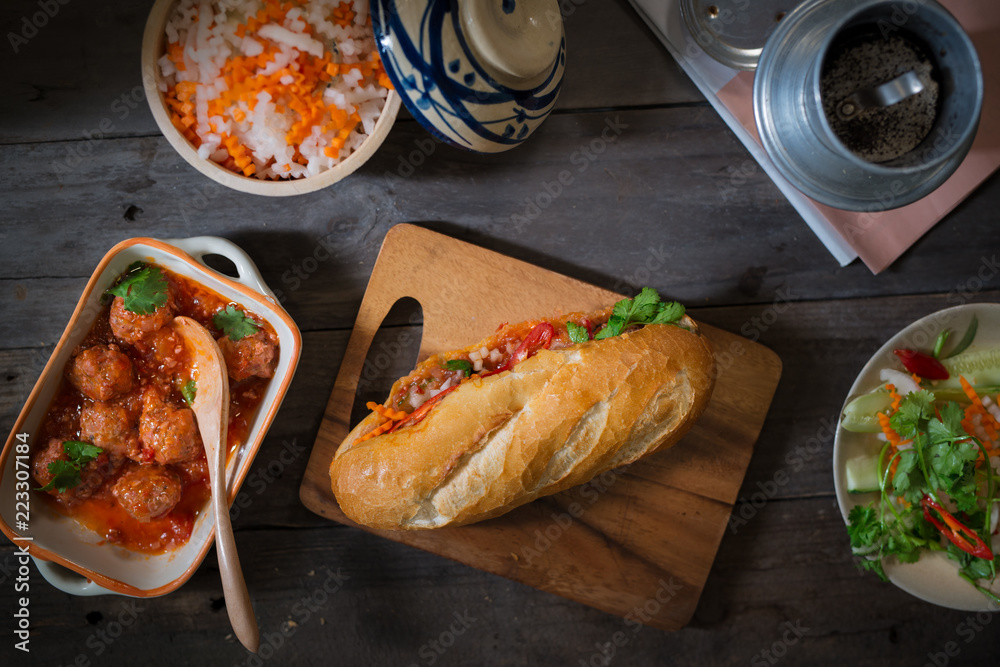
537	408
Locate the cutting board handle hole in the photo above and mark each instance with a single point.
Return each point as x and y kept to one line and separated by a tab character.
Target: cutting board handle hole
391	355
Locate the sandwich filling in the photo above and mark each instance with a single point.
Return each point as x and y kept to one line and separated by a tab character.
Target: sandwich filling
413	396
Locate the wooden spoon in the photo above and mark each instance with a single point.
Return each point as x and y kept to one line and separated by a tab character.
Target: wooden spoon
211	408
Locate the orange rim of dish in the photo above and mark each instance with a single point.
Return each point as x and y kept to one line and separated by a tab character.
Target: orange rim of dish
239	474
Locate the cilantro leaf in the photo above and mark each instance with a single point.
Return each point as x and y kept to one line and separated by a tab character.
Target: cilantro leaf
949	460
645	305
873	565
864	528
459	365
908	478
903	548
622	308
645	308
866	532
670	313
611	329
82	452
949	426
915	408
234	323
577	333
143	289
970	566
940	460
189	391
66	474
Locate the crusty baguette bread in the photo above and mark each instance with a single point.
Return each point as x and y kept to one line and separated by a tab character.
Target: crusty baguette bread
554	421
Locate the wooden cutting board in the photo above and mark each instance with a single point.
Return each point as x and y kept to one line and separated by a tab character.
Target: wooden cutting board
638	542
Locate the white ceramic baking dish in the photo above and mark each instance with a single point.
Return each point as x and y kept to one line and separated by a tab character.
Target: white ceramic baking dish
95	566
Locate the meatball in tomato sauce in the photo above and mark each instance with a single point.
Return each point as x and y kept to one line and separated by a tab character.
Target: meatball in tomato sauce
169	433
92	476
166	351
134	327
112	427
253	356
147	491
102	372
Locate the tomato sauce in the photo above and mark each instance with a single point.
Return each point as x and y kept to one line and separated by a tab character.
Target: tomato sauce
157	359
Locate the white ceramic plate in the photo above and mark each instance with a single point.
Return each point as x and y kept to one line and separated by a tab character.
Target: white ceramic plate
934	577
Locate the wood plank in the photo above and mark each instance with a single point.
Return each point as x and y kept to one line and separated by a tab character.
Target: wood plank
20	370
75	74
605	549
45	303
610	41
791	564
625	216
674	202
88	61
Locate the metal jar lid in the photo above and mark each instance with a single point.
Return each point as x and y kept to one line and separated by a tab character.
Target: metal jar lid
734	31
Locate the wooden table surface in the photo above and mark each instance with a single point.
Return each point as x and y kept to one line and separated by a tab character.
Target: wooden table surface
673	201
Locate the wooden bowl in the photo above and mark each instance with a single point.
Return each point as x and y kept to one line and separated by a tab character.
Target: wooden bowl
90	566
153	47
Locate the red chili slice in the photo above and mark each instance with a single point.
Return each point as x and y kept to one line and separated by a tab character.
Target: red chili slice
957	533
922	364
540	337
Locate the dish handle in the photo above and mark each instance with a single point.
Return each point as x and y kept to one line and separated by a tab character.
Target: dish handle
200	247
67	580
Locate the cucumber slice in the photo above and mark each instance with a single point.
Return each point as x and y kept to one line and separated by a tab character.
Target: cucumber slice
958	395
862	474
861	414
980	368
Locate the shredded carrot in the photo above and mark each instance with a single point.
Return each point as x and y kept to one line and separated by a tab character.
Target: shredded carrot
989	423
343	14
391	416
379	430
896	398
969	391
388	413
890	433
894	441
892	467
296	91
176	54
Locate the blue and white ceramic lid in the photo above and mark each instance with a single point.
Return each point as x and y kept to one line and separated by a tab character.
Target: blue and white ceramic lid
478	74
